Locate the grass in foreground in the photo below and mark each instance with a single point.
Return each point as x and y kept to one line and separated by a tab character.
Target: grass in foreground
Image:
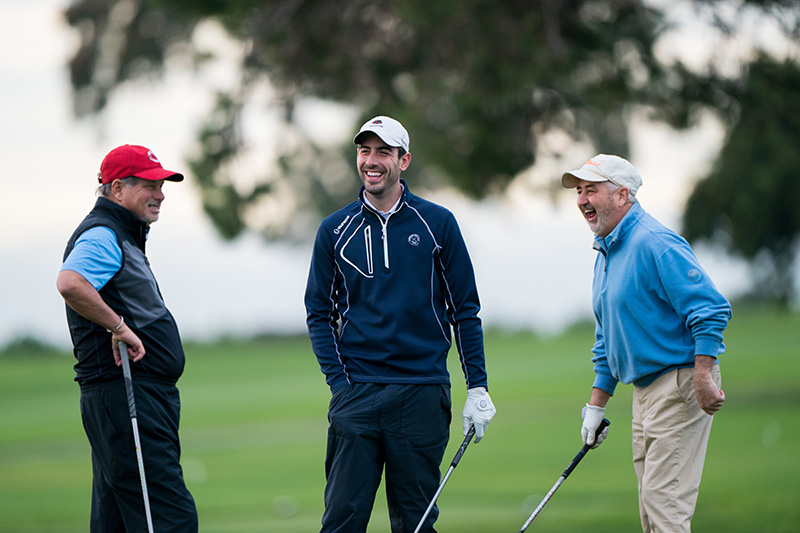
254	426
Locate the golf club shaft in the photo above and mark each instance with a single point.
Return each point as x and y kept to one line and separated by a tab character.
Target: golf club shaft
542	504
577	459
126	372
453	464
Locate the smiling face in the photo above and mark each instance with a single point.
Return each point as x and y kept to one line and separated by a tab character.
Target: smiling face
602	204
379	167
142	198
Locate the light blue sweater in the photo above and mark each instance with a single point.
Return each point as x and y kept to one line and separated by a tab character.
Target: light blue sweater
655	307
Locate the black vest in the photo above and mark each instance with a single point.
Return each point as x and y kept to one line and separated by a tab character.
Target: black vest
134	294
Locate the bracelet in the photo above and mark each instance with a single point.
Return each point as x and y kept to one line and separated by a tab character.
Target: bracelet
121	321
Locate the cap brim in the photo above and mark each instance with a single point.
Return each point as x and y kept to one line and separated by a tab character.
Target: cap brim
394	143
571	179
155	174
360	136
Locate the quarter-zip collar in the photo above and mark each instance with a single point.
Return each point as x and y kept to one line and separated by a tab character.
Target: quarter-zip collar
404	198
631	218
391	211
384	218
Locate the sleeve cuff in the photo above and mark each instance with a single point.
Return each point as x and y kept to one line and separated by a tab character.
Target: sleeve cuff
605	383
707	347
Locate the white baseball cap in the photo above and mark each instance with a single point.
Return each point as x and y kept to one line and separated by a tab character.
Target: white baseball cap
388	129
604	167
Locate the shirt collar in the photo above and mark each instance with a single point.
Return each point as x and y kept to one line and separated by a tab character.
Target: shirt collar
395	207
620	230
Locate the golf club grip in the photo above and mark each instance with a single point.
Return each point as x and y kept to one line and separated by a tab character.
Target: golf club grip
463	447
126	373
603	425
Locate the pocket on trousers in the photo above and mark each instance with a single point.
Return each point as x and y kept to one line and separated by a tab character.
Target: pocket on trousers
684	381
427	416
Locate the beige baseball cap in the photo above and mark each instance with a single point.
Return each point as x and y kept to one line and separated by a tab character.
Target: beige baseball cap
605	167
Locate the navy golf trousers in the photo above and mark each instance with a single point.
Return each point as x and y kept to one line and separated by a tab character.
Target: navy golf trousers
402	429
117	501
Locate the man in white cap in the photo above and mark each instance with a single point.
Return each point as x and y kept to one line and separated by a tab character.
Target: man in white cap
659	323
390	282
112	296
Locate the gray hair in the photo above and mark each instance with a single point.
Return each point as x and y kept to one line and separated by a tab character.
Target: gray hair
613	187
104	190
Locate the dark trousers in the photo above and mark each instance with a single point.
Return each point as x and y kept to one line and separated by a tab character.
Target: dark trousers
117	501
402	429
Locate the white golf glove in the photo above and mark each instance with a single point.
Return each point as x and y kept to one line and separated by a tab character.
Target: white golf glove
592	416
478	411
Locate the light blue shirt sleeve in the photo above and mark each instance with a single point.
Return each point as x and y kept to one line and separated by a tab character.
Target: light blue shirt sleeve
96	256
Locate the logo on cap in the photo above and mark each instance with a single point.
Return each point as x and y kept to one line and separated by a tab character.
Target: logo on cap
388	129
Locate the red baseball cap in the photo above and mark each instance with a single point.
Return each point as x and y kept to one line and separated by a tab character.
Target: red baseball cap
137	161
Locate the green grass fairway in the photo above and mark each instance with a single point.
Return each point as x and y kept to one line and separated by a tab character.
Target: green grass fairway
254	428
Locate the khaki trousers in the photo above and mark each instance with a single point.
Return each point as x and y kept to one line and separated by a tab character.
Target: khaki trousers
670	436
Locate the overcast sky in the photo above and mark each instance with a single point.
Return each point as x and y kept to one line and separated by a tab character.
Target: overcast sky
533	257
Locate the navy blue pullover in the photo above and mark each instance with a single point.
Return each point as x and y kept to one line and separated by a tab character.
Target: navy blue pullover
385	297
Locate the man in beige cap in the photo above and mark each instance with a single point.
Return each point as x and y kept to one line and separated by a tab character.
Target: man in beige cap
659	323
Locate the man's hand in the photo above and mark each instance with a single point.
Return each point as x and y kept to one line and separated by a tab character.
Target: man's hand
592	416
134	343
81	296
478	411
709	396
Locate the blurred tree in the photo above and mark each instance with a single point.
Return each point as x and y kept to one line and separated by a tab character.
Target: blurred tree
749	201
477	83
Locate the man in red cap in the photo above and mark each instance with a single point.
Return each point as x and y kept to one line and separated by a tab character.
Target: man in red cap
112	296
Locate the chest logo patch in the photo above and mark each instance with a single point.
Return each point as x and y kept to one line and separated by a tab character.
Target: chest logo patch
413	239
